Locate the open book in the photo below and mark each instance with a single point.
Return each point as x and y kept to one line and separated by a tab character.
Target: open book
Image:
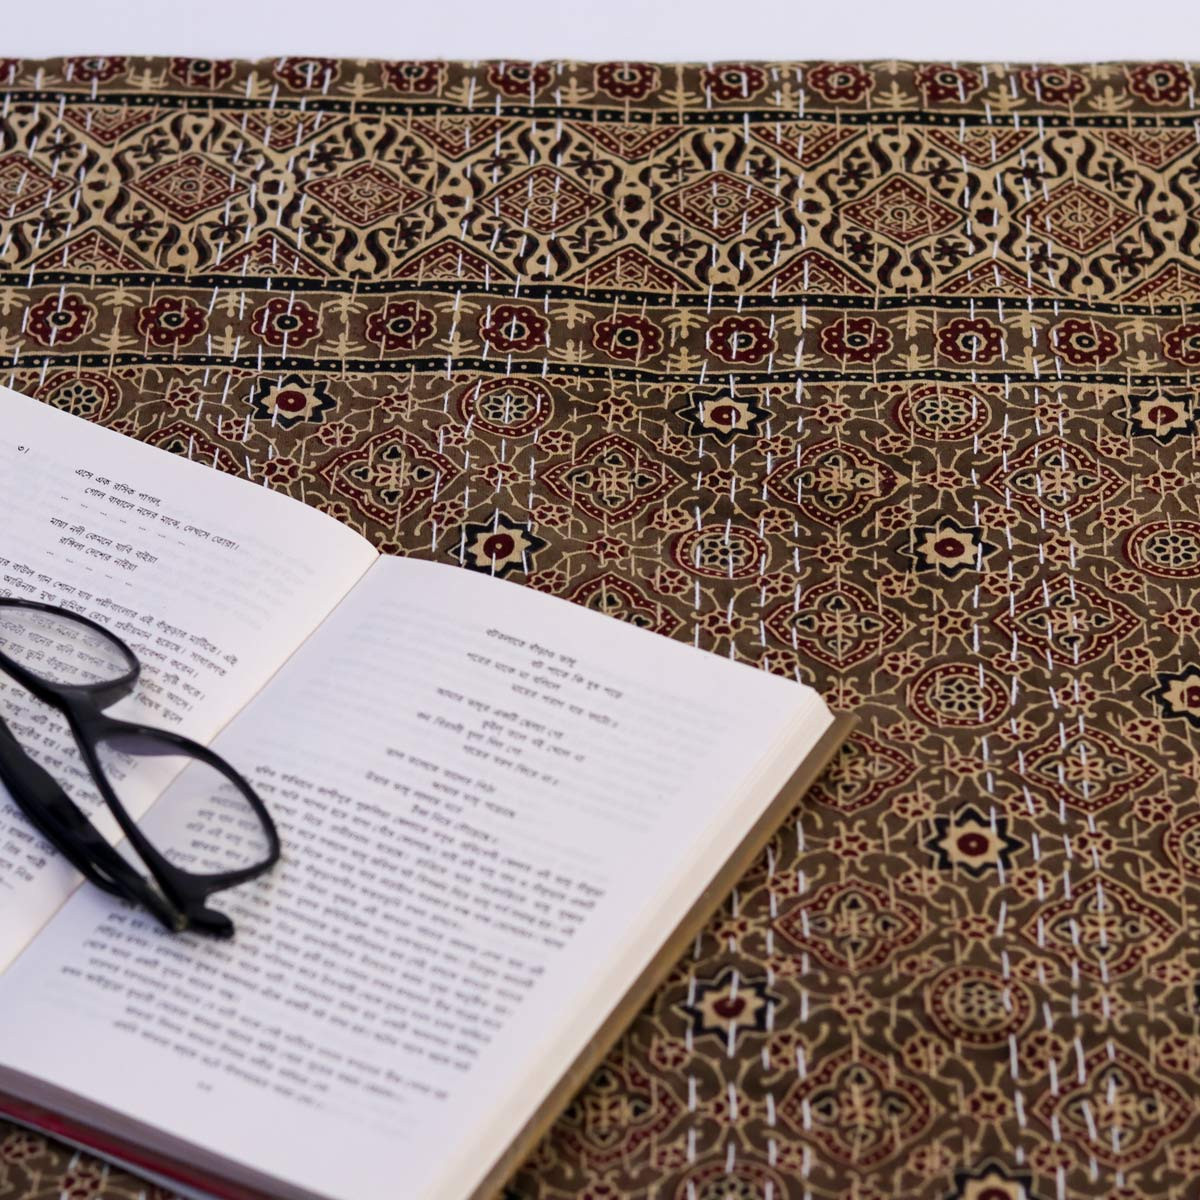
503	816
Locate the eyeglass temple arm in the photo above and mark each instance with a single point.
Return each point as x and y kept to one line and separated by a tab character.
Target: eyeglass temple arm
38	794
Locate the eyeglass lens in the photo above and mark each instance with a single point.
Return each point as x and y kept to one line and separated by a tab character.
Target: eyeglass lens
58	649
202	823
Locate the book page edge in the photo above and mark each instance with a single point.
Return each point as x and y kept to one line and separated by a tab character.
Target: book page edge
576	1075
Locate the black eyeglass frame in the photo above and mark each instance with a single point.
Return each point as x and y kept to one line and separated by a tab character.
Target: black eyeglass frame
183	903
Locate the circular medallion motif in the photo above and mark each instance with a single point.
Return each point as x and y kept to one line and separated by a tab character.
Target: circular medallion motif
1169	549
960	694
978	1006
508	407
942	411
720	552
81	393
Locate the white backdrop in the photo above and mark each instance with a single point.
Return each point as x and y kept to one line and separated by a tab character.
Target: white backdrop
666	30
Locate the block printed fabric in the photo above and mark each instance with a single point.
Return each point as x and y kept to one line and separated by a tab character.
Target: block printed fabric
882	376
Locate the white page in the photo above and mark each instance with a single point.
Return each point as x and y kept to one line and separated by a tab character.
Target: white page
212	580
492	803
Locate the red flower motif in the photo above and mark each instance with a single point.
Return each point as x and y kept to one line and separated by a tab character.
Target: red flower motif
202	72
940	83
670	582
307	74
734	81
1083	343
1053	85
626	81
840	81
856	339
171	321
1161	82
400	325
737	339
964	340
93	69
1182	345
284	322
627	337
607	549
281	470
55	321
520	80
507	327
419	78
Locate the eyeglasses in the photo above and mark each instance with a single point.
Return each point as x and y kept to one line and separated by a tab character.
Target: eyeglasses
218	832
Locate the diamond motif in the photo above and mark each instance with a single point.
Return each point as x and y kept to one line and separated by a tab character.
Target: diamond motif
1066	621
544	200
899	210
24	186
612	480
833	483
188	186
836	623
863	771
1091	771
389	475
1102	928
1051	477
364	194
1119	1113
720	204
615	597
189	442
620	1111
851	926
858	1109
1078	216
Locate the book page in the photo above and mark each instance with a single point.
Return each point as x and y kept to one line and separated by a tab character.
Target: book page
213	581
495	806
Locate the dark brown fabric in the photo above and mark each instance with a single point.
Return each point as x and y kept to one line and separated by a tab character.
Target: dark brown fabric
876	375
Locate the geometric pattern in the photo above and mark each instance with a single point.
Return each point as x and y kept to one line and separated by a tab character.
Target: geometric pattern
899	210
188	186
364	194
720	204
1078	216
880	376
861	1114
